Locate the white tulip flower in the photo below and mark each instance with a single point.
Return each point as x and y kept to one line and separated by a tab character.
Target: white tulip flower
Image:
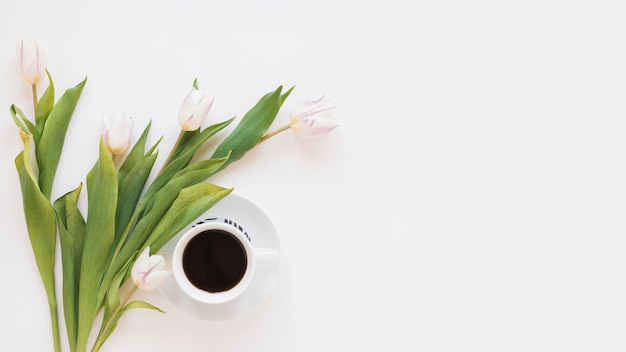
314	118
149	271
117	132
31	61
194	109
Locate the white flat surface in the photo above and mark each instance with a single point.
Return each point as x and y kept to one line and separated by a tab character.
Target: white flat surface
473	198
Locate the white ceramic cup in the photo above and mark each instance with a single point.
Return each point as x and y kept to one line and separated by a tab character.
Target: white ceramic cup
187	248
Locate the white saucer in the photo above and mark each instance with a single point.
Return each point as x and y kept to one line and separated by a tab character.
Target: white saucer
262	234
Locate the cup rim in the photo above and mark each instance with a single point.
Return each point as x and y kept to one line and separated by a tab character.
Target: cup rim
212	297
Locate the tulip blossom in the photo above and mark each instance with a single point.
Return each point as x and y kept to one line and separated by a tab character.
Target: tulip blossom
194	109
117	132
314	118
149	271
31	61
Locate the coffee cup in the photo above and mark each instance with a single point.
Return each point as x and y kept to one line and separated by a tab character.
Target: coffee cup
214	261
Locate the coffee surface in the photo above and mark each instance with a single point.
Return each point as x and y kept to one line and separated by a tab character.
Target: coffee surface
214	261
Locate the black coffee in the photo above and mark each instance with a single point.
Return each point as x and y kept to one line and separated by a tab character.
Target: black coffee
214	261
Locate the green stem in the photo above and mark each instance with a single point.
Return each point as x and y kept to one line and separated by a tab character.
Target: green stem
273	133
34	88
54	315
126	232
103	333
112	267
169	157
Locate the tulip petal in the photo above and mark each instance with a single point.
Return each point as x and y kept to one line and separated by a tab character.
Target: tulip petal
155	280
314	118
194	109
313	127
117	132
149	271
140	266
156	262
31	61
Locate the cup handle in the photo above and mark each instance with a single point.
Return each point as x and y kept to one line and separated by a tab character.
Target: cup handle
265	255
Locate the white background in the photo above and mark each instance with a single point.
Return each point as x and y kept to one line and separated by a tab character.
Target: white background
472	199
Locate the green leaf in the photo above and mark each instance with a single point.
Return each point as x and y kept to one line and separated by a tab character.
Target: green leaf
113	293
192	202
130	189
132	178
113	325
40	219
155	210
137	153
162	200
191	141
132	305
24	123
53	136
184	138
102	191
140	304
252	127
183	154
45	105
285	95
109	322
72	233
41	225
192	174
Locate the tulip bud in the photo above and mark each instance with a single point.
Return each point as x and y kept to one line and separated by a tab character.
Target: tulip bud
31	61
314	118
117	132
149	271
194	109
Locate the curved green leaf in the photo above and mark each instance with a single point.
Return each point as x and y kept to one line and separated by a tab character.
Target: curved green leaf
102	191
252	127
137	153
191	141
44	105
53	136
113	324
71	233
130	189
192	202
159	205
183	154
42	229
154	212
24	123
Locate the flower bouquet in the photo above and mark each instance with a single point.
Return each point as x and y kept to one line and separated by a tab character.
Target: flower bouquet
128	219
